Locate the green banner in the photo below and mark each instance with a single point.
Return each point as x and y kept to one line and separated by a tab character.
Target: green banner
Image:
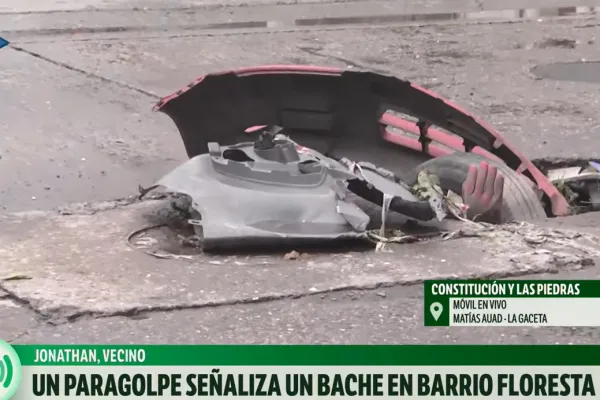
511	303
44	371
512	288
305	355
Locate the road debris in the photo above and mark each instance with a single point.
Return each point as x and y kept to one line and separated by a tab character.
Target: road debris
428	188
16	277
138	240
557	42
292	255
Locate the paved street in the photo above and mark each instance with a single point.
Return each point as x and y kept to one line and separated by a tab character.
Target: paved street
78	84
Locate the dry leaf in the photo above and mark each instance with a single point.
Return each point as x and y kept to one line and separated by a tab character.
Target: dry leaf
428	188
17	277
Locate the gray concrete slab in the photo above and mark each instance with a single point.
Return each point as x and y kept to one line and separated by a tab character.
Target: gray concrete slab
485	68
65	136
16	6
16	319
81	264
169	17
383	316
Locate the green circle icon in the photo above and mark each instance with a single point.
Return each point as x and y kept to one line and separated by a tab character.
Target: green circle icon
10	371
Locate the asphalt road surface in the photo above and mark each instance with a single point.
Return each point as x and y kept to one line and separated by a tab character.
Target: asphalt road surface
80	78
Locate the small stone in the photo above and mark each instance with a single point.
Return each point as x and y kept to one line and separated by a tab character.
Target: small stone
587	262
292	255
381	294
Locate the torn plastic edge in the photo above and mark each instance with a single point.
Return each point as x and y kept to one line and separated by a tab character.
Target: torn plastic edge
357	226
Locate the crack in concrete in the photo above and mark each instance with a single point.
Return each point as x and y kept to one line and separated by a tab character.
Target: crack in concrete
200	7
354	64
216	33
84	72
23	302
134	29
266	31
62	315
137	312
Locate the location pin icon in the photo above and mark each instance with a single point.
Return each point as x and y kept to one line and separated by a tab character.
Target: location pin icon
436	310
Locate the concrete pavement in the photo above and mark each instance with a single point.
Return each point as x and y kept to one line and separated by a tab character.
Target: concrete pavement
92	94
384	316
76	126
409	7
74	277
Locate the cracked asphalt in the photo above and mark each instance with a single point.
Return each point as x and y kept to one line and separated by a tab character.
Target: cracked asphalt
77	87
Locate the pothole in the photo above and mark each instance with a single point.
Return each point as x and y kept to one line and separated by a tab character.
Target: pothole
582	71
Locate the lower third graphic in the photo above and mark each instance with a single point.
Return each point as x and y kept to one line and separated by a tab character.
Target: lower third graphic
10	371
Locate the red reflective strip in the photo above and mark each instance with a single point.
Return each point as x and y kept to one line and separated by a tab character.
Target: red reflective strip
432	149
453	142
